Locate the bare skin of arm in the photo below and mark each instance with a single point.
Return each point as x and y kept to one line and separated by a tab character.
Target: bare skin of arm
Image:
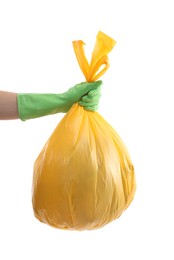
8	106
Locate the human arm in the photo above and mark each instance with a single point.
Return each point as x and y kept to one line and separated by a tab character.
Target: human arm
27	106
8	106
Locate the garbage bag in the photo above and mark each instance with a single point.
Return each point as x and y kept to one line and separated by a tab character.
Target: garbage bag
83	177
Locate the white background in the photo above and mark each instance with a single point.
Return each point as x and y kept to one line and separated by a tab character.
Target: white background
36	55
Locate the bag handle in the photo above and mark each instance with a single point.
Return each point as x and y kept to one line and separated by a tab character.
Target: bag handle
99	61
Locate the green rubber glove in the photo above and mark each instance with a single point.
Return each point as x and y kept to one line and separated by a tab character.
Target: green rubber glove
38	105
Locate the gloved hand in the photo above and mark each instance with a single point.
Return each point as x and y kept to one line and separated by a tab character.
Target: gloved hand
37	105
87	94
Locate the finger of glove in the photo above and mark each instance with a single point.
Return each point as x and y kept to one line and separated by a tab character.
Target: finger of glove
89	104
88	99
87	87
91	108
95	93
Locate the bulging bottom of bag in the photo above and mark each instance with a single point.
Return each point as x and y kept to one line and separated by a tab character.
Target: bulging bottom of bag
83	177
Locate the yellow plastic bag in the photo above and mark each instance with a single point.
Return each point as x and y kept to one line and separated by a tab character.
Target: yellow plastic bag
83	177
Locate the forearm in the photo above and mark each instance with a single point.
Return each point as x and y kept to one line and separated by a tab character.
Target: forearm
38	105
8	106
28	106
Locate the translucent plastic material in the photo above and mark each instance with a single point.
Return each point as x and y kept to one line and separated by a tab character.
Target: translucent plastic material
103	46
83	177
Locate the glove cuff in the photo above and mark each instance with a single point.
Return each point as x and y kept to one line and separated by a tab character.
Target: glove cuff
38	105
